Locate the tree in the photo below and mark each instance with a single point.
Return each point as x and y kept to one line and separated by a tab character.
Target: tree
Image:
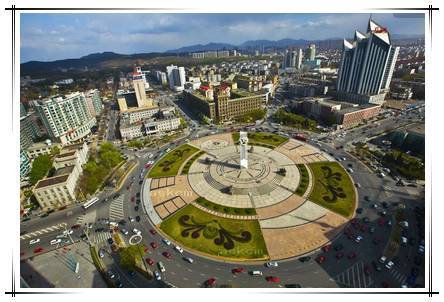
40	167
129	256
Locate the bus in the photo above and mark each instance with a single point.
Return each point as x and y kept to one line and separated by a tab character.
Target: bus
90	202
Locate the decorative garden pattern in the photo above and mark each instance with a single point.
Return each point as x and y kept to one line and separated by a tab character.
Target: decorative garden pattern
332	185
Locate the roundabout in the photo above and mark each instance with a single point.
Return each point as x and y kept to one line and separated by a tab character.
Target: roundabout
265	198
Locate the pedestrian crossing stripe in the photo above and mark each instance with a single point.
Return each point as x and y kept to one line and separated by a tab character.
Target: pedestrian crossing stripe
44	231
354	277
398	276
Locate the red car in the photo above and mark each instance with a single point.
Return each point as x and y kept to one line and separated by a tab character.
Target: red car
153	245
210	282
381	221
238	270
326	248
145	249
38	250
153	232
273	279
320	259
339	255
351	255
149	261
132	199
367	270
166	255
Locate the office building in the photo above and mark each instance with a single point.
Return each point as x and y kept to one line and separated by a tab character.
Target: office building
67	118
223	53
289	59
299	59
221	104
161	77
176	77
311	52
367	66
139	84
198	55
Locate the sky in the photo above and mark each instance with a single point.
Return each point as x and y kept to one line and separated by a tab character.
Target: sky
52	36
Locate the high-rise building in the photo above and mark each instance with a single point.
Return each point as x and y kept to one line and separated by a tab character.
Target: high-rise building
176	77
66	118
93	102
289	59
25	165
299	58
311	52
367	66
139	84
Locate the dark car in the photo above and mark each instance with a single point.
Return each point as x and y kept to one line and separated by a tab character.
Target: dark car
138	201
138	218
339	247
140	182
136	208
122	222
110	241
359	210
376	266
138	194
304	259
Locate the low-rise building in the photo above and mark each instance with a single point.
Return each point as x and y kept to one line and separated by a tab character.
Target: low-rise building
41	148
130	131
155	127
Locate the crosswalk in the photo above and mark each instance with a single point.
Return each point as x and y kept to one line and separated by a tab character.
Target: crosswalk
354	277
397	276
116	209
87	218
97	238
44	231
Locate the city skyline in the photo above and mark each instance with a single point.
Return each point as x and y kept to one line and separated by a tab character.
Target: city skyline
48	37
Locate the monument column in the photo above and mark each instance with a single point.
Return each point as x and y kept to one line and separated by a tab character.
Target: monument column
243	141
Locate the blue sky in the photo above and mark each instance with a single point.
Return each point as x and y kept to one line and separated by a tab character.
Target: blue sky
48	37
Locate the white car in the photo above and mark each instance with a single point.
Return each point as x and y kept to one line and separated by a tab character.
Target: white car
67	232
272	264
179	249
389	265
188	259
136	231
131	219
157	275
55	241
166	241
34	241
383	259
359	239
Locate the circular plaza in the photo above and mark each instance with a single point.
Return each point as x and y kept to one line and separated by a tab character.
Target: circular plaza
280	199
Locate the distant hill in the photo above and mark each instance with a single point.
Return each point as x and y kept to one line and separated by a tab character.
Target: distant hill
202	47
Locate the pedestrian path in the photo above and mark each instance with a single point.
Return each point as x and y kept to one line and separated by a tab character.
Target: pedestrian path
354	277
100	237
116	212
60	226
397	276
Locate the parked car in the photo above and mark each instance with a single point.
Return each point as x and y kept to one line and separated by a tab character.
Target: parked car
271	264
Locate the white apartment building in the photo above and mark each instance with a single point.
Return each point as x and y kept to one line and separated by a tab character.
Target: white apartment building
131	131
93	102
66	118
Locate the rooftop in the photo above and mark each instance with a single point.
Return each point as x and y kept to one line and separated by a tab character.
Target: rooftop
73	147
65	154
50	181
64	170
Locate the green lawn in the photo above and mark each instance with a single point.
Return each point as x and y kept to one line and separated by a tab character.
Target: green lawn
169	164
264	139
333	188
186	167
224	209
213	235
303	183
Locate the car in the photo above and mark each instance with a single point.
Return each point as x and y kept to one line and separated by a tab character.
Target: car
154	245
389	265
366	198
101	253
352	255
326	248
153	232
124	231
188	259
157	275
320	259
38	250
371	229
338	247
110	274
273	279
166	241
357	185
137	232
374	206
132	198
110	241
383	213
122	222
167	255
382	260
304	259
138	218
367	270
381	221
131	219
271	264
385	204
128	187
55	241
66	241
34	241
210	282
421	250
365	220
67	232
359	239
119	284
255	273
179	249
138	201
359	210
136	208
376	266
238	270
140	182
132	273
339	255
